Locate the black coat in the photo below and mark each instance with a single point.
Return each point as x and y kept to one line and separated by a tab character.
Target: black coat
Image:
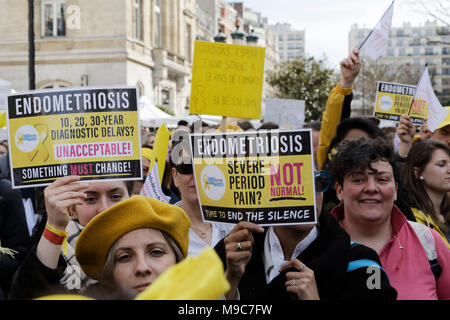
328	256
13	232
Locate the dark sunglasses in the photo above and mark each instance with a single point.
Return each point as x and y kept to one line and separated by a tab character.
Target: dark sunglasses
184	168
322	181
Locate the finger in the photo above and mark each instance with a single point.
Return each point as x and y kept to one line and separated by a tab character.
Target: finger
67	196
239	236
236	257
294	263
348	63
75	187
354	59
244	245
65	204
64	180
252	227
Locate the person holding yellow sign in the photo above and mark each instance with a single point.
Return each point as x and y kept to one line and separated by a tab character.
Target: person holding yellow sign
125	248
201	233
301	262
70	206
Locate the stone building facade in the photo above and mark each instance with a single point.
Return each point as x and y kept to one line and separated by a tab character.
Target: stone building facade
143	43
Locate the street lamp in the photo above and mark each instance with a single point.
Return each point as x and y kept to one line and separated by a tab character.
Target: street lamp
252	39
220	37
238	36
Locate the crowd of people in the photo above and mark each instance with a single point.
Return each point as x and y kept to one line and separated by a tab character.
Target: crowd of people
383	229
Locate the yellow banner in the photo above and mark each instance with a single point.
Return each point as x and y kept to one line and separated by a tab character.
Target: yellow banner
160	148
227	80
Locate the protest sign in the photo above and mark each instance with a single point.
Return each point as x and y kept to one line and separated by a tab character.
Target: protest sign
394	100
264	177
90	132
285	112
227	80
152	186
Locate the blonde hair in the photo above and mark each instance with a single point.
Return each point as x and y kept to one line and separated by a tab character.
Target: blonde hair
107	275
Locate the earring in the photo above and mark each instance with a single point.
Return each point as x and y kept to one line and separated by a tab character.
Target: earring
421	178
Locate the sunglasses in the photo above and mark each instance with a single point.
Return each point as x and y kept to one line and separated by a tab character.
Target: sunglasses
184	168
322	181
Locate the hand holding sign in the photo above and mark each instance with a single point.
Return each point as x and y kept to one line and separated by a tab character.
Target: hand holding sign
60	196
406	129
238	247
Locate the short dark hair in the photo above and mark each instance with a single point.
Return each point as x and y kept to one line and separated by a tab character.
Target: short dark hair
356	123
269	125
183	123
315	125
246	125
359	154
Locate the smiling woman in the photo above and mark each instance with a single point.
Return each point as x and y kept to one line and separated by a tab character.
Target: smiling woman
366	186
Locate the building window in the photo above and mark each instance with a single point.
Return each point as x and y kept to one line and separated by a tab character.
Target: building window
165	97
158	36
138	20
52	84
188	39
429	51
53	20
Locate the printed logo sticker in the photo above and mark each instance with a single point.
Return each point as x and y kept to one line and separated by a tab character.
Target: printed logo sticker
213	182
27	138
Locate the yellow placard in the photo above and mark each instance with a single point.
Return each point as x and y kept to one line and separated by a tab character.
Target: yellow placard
394	100
2	119
93	133
258	177
160	148
227	80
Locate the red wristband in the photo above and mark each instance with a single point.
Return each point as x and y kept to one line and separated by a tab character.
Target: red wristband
53	238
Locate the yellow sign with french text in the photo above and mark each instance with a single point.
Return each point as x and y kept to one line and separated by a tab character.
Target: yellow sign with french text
227	80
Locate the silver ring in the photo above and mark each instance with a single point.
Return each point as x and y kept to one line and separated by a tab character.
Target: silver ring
239	247
302	267
292	282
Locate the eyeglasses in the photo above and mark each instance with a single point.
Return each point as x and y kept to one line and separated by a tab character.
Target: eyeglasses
184	168
322	180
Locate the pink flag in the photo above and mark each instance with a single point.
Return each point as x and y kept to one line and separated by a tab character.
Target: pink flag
152	186
424	90
377	41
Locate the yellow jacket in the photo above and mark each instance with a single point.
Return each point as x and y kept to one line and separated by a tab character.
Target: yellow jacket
331	118
427	220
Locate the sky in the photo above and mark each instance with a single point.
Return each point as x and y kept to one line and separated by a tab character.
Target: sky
327	22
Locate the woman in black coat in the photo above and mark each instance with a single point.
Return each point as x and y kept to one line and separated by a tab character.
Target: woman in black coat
14	236
322	263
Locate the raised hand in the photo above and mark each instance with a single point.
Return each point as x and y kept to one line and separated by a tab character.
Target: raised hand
350	67
59	196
